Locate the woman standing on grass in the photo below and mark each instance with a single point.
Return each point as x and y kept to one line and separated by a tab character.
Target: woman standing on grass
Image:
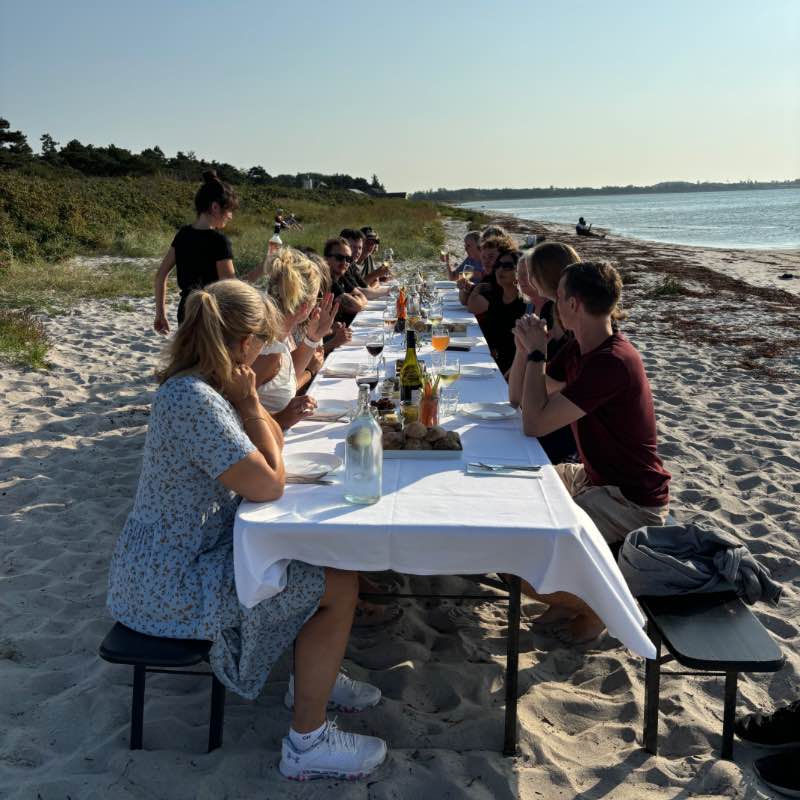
201	251
210	443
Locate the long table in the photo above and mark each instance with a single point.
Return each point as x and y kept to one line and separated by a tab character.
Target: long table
433	518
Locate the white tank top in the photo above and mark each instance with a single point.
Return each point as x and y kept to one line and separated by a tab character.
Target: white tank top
275	394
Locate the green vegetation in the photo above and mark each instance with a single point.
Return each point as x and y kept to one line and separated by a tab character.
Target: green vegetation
47	219
670	287
22	339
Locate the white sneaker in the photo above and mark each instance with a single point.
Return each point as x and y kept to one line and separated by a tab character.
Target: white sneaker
347	695
336	754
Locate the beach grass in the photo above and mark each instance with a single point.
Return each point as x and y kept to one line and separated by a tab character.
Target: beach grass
670	287
23	340
46	221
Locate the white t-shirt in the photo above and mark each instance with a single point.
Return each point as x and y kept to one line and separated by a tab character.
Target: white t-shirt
276	394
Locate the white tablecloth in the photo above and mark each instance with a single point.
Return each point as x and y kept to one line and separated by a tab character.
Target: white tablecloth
434	519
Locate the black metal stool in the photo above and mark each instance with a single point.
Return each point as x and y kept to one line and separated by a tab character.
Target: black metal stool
156	654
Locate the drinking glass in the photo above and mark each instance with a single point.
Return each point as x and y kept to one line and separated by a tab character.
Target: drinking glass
368	374
390	320
440	339
466	273
448	374
436	312
374	345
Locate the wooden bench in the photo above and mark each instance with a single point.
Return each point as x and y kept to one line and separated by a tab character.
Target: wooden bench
712	634
156	654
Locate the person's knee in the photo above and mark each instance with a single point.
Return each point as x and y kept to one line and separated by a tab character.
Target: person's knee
341	588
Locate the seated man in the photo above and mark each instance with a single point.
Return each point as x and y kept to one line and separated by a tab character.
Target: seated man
472	263
597	384
338	257
371	274
355	239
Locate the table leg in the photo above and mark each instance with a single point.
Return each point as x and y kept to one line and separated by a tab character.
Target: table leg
512	664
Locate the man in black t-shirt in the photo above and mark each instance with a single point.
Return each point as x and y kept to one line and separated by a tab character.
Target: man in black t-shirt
355	239
339	258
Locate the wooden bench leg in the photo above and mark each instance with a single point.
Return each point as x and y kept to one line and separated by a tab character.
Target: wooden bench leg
652	691
729	714
512	666
137	707
217	714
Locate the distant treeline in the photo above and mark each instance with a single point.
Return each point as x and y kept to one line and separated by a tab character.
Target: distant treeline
117	162
474	195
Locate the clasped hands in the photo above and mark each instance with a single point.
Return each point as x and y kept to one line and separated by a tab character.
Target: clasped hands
530	333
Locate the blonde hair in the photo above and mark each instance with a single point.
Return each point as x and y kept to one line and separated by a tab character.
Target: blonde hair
546	262
216	319
324	272
292	279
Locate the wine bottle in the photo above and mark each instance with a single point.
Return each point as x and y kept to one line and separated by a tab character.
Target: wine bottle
411	372
363	455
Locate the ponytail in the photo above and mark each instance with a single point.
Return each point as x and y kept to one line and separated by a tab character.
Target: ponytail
292	279
216	319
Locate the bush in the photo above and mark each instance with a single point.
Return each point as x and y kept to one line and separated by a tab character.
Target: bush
23	340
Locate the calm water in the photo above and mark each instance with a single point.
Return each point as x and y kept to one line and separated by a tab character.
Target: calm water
765	218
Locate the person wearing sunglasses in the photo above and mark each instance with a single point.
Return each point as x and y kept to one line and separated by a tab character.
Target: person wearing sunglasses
370	287
497	305
339	259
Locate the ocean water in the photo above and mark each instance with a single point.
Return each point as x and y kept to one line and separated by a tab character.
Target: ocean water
761	218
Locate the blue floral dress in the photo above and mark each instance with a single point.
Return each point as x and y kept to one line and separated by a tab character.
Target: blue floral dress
172	569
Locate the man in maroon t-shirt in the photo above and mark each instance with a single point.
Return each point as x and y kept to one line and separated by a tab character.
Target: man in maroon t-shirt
596	384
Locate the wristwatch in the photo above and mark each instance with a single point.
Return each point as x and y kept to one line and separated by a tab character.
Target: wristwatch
536	356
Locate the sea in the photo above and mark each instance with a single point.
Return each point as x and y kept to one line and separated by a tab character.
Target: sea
750	218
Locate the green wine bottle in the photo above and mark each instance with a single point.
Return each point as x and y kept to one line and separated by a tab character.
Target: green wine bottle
411	372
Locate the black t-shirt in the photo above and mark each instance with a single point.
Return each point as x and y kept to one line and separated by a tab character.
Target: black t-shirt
498	324
338	288
355	276
196	254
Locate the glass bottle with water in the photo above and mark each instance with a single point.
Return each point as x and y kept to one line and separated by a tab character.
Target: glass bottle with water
363	461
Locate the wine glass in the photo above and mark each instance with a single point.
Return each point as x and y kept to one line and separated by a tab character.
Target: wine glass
436	312
374	345
440	339
448	374
466	273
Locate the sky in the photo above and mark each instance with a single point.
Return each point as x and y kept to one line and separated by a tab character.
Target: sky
425	94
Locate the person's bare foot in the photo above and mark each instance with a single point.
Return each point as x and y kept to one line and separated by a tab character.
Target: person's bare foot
554	614
582	629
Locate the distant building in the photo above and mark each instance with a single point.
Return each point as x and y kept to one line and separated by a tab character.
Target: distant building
308	183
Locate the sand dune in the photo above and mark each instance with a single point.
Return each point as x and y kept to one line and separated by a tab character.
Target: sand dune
71	444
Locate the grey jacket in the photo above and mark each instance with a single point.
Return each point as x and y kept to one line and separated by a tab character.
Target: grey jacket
682	559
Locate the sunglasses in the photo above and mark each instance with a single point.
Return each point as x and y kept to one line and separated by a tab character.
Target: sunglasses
339	257
505	265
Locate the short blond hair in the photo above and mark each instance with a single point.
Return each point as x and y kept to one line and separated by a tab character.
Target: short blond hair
217	317
292	279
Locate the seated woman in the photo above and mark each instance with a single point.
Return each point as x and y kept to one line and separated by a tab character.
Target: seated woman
545	264
209	443
530	294
291	362
339	258
489	251
497	305
340	334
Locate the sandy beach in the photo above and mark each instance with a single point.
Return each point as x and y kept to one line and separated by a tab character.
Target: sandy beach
723	357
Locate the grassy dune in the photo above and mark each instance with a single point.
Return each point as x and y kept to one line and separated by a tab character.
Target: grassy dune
44	221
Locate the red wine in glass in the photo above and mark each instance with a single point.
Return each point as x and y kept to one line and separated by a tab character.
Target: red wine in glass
374	348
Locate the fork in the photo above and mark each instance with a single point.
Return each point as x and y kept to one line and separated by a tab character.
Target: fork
302	479
506	467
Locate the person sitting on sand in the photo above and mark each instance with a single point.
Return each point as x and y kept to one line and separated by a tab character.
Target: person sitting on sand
338	256
472	263
545	263
597	384
292	361
210	443
582	229
371	289
201	251
497	305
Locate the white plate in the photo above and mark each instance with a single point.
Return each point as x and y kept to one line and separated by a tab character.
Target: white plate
375	305
489	410
310	465
331	409
341	369
476	371
445	284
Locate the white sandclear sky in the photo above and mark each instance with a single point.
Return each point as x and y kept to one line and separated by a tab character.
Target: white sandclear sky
425	94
